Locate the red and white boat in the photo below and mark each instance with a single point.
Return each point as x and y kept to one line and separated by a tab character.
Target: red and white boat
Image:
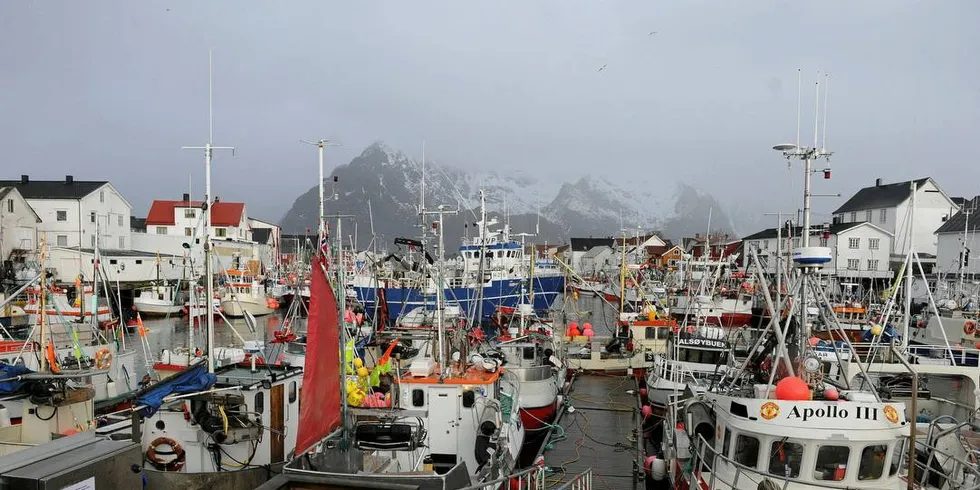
724	310
59	309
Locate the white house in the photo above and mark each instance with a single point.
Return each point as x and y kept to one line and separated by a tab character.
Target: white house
124	266
268	236
959	238
578	247
186	218
72	210
887	206
859	250
18	225
596	260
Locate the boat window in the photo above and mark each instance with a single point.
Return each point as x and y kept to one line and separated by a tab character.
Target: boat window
651	333
260	402
747	451
898	455
831	463
785	459
872	462
292	392
728	441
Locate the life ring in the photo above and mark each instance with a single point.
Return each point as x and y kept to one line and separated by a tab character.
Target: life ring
969	327
103	358
153	454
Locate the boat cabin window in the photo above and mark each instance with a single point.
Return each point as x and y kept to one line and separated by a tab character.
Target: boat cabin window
292	392
651	333
701	356
872	462
260	402
747	451
728	442
831	463
898	455
785	459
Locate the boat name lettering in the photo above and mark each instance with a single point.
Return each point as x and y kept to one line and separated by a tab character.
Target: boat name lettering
833	412
720	344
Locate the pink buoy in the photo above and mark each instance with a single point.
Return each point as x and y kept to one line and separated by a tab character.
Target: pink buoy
349	316
647	411
831	393
648	464
588	333
643	393
360	318
586	326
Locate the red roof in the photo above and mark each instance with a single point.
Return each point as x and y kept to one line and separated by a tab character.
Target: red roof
222	213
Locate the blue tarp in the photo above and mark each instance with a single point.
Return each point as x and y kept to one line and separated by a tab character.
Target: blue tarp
194	379
11	371
887	335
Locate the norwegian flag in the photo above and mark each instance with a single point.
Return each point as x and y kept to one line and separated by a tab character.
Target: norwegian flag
324	245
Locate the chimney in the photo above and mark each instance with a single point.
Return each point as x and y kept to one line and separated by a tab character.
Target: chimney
69	179
24	179
187	198
878	182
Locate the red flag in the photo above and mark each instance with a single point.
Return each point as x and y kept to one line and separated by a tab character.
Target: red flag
320	399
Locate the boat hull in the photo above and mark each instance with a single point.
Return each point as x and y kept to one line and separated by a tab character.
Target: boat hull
499	293
236	309
157	308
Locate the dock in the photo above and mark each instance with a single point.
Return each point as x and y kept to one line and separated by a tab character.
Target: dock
597	428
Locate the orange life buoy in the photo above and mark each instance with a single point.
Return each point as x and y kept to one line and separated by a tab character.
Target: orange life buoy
103	358
52	358
969	327
153	454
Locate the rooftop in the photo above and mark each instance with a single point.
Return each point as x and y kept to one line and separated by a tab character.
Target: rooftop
69	188
880	196
958	222
162	213
834	229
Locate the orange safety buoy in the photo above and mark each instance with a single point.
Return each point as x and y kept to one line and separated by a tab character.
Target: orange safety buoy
969	327
153	454
103	358
52	359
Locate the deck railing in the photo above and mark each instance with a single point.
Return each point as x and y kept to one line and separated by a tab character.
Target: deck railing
527	479
581	481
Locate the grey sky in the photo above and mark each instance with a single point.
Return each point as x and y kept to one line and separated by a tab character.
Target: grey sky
112	90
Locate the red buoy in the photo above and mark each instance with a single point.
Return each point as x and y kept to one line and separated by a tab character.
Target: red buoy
792	388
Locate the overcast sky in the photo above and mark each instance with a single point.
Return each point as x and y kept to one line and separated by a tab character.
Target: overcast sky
696	90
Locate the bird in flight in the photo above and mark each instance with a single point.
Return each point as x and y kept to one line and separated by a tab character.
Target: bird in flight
653	32
603	67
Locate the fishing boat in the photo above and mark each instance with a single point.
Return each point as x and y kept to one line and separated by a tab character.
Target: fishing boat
158	300
695	359
244	293
489	272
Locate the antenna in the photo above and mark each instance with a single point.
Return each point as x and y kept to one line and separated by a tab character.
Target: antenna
816	109
799	102
321	224
210	96
826	89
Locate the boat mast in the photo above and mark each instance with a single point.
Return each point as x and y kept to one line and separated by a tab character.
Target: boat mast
482	237
208	150
44	317
95	281
964	252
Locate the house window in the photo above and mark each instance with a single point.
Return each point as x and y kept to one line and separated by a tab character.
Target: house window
139	261
873	243
222	232
853	243
190	213
91	216
120	220
113	262
62	215
823	241
10	205
62	240
872	264
796	242
188	231
122	243
867	215
765	245
883	216
101	196
161	230
853	264
854	216
93	241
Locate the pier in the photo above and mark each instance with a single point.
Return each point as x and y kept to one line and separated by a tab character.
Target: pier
597	429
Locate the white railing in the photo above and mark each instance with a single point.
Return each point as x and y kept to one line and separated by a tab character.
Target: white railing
527	479
581	481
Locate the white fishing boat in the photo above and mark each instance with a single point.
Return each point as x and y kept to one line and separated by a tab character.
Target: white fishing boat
694	360
158	300
244	293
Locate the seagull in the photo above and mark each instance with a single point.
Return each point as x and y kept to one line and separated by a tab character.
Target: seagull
653	32
603	67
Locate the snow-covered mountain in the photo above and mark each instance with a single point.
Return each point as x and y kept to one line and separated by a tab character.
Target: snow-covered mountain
388	184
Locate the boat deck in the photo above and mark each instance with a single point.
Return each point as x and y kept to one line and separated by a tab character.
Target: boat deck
599	430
